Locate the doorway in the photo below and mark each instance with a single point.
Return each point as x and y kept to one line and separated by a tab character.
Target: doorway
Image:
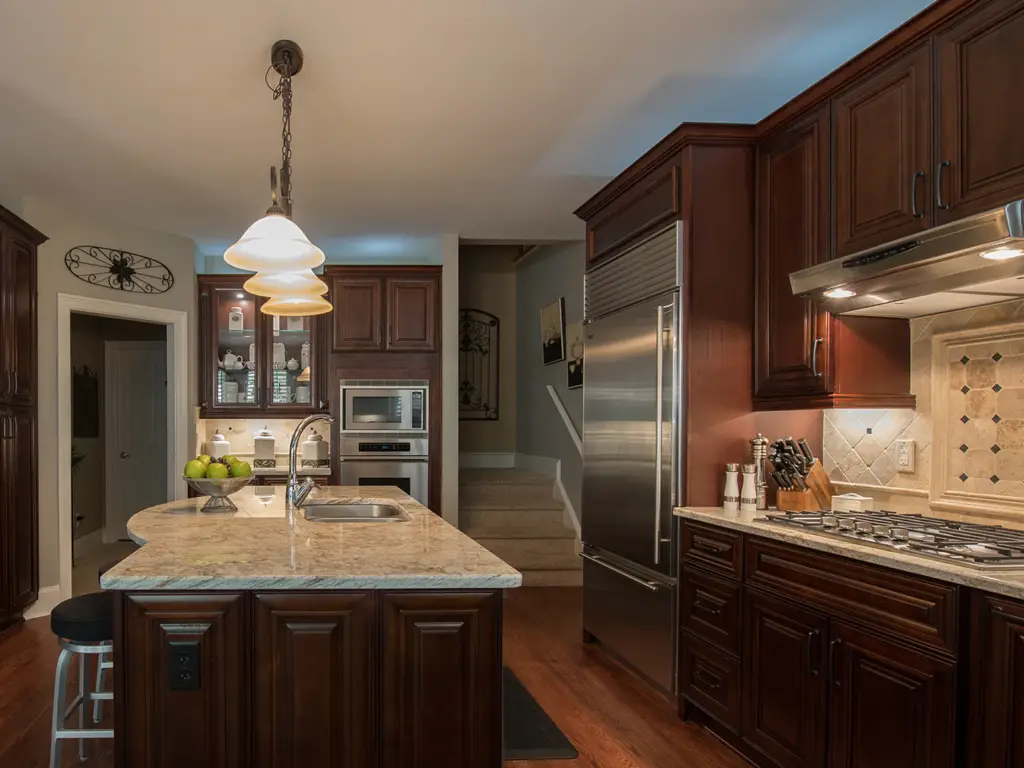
119	436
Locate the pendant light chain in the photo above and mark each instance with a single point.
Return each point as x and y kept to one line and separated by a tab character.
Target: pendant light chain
283	91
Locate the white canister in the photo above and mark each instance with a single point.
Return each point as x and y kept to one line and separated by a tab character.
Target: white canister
279	354
748	494
304	355
219	446
236	319
731	498
315	451
252	353
302	393
263	449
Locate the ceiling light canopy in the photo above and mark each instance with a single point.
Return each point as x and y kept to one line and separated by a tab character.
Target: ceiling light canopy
274	247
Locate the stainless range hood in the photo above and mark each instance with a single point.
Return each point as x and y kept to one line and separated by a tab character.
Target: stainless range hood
968	263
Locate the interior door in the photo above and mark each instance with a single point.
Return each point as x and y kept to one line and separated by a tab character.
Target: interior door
135	394
626	507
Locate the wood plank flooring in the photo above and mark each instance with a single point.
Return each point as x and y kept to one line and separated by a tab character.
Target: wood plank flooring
614	720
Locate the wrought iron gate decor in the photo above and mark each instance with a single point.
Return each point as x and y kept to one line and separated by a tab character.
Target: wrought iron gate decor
478	365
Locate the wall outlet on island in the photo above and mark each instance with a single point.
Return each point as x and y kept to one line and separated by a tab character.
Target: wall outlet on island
906	451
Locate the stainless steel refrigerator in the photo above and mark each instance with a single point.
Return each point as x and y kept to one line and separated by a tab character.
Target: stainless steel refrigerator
632	455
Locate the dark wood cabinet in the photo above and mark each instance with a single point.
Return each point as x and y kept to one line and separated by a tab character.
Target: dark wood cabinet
308	645
891	706
19	318
386	309
980	162
882	130
434	644
20	449
784	686
251	363
997	683
793	212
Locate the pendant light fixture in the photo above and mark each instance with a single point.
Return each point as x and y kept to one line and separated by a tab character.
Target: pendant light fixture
274	246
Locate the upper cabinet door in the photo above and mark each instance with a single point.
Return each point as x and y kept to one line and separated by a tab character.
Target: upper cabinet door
793	181
981	155
231	371
292	374
411	315
19	285
358	319
883	155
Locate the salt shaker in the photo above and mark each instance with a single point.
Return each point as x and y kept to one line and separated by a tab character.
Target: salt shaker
748	495
732	487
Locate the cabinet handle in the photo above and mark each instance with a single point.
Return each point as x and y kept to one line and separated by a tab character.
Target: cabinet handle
14	386
913	195
714	547
14	427
378	335
812	642
938	184
833	653
814	356
3	426
698	676
706	608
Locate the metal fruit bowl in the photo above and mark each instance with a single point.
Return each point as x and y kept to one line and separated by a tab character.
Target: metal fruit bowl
218	490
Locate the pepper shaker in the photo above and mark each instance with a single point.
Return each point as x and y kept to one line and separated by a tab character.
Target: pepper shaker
748	496
731	499
759	449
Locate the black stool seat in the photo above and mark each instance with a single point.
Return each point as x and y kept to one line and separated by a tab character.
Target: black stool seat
85	619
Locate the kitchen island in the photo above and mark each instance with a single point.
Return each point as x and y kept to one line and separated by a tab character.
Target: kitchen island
261	638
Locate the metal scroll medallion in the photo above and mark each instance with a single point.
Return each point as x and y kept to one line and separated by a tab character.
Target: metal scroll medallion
119	270
478	365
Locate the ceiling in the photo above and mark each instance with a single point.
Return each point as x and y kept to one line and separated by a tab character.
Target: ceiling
491	119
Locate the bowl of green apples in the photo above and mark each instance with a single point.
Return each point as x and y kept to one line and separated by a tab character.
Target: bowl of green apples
218	479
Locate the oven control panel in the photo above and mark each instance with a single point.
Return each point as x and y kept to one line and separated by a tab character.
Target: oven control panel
385	447
417	410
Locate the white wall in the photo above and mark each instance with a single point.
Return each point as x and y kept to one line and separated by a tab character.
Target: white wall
487	281
67	228
450	380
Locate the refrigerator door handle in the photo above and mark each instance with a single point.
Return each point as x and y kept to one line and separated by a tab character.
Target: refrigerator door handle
674	416
658	431
651	585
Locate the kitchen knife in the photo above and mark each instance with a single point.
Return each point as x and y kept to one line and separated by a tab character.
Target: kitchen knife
806	450
780	481
799	454
800	481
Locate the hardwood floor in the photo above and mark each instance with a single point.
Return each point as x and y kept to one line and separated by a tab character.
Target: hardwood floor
613	719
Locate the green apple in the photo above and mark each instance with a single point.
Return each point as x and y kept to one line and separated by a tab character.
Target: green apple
229	460
216	472
241	469
204	458
195	469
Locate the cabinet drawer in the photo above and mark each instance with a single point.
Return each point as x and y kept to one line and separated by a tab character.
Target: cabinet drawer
715	548
910	606
711	680
709	607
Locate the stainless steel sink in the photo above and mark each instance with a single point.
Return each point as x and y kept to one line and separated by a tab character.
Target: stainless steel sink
326	511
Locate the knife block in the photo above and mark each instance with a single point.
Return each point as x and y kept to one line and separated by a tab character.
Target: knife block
819	484
796	501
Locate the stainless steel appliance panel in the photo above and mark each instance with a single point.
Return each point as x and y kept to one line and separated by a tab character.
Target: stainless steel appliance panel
630	416
408	474
633	615
394	406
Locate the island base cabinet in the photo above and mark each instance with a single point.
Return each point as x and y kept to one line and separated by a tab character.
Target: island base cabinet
353	679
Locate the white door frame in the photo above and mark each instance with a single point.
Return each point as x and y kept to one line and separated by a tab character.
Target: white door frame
111	533
177	404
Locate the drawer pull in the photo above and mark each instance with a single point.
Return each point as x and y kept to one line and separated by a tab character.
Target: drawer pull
708	545
701	605
698	677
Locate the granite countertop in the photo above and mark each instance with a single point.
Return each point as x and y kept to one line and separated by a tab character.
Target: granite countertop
268	544
1004	582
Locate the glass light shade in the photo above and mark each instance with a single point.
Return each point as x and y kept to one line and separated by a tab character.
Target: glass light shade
296	306
274	244
286	285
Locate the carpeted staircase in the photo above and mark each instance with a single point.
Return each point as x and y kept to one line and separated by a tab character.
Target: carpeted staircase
514	514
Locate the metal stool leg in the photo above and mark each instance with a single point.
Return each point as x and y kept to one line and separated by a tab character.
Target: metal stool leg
97	704
60	686
83	699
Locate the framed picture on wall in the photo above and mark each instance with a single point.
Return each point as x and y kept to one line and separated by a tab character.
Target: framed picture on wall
574	347
552	331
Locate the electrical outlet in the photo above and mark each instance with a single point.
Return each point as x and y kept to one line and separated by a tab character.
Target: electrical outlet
183	668
906	456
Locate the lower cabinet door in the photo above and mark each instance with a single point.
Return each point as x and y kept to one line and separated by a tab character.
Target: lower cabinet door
711	679
441	694
784	685
23	512
997	683
891	707
314	680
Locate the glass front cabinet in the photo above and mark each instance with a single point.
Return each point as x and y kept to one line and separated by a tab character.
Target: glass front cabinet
253	364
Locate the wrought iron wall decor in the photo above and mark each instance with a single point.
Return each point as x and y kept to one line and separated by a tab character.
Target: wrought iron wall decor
478	365
119	270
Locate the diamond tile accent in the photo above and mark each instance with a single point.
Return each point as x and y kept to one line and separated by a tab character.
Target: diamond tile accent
963	477
965	389
996	388
965	359
964	448
994	479
869	430
997	357
964	419
995	449
995	418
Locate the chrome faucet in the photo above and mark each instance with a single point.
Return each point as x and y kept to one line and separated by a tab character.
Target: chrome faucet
298	490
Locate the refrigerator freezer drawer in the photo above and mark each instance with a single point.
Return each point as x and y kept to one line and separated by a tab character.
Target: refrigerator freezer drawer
632	620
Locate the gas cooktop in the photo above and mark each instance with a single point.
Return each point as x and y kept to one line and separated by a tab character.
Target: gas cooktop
970	544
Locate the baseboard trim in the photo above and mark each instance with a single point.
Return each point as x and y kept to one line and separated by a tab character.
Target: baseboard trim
484	460
49	597
570	511
83	545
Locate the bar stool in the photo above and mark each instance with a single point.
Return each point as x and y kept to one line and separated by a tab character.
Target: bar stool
84	625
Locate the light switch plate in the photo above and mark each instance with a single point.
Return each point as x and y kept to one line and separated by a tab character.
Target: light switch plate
906	456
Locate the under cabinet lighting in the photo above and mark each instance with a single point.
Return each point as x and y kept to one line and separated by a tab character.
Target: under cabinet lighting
1002	254
839	293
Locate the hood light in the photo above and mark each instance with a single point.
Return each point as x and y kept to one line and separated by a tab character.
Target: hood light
839	293
1002	254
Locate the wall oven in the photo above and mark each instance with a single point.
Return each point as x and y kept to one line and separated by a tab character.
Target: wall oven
386	459
383	406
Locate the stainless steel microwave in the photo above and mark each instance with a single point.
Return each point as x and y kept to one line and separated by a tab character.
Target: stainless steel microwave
383	406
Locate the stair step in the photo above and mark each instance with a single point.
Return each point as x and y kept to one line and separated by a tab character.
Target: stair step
503	477
553	578
535	554
473	517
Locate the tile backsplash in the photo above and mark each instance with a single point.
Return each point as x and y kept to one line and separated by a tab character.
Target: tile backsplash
240	432
971	440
